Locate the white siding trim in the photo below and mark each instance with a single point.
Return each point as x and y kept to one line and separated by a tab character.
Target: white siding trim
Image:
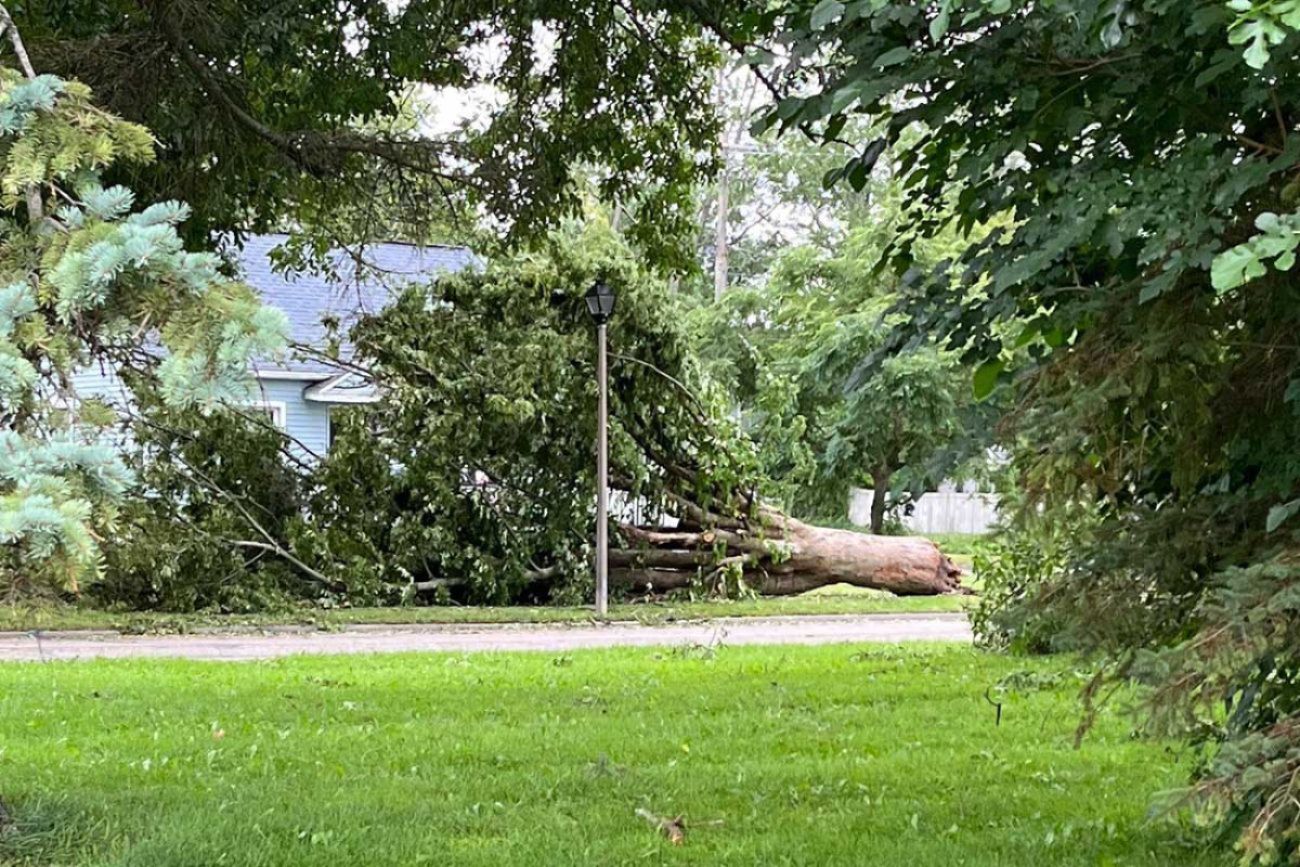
301	375
278	409
332	391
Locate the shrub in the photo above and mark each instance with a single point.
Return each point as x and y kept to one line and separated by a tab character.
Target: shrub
217	495
1018	568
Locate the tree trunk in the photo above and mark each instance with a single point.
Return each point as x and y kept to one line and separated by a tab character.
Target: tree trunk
788	557
879	491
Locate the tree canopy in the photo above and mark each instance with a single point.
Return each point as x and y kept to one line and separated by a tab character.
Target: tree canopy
786	350
1140	305
271	113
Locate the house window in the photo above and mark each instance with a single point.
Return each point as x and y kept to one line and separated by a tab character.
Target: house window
270	410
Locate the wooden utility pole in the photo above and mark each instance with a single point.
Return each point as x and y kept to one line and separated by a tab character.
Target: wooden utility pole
721	239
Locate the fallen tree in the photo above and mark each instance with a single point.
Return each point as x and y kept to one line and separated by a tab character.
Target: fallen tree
782	558
473	475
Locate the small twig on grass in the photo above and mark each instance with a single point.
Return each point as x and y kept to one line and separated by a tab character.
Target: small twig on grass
997	720
675	828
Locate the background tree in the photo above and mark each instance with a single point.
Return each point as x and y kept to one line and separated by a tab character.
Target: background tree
271	114
789	344
775	199
1147	153
897	419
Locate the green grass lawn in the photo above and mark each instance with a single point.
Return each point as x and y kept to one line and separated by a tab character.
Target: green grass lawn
880	755
839	599
958	544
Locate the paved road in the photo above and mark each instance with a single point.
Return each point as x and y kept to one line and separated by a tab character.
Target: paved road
548	637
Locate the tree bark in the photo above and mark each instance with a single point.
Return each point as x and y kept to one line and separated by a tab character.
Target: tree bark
879	491
786	557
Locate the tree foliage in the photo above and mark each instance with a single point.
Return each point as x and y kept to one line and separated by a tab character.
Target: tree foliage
315	113
86	277
1147	154
479	458
788	347
214	504
787	350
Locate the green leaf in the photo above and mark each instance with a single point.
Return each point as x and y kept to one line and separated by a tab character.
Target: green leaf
1257	54
1242	33
939	24
757	57
824	13
789	107
1234	267
843	98
892	57
986	378
858	175
763	124
835	126
1278	515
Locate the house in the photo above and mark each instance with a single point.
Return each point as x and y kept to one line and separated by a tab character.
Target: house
298	392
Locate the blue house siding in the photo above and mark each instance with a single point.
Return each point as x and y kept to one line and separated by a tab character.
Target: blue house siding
103	385
306	422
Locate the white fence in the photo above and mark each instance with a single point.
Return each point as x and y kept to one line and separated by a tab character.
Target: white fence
937	512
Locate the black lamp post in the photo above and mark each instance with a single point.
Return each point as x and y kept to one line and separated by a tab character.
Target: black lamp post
600	302
600	305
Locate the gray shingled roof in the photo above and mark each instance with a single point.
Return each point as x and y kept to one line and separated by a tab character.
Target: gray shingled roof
307	298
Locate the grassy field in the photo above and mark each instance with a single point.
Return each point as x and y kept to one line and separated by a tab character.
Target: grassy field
832	755
829	600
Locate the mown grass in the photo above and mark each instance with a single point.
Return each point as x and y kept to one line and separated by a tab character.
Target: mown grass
832	755
956	545
831	600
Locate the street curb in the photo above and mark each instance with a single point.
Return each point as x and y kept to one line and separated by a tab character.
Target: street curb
459	628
